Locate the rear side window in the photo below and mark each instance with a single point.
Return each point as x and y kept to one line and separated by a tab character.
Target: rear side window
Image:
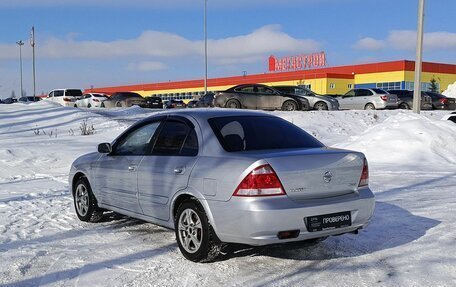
73	93
248	133
176	138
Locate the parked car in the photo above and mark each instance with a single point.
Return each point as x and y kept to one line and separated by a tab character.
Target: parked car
124	99
154	102
9	100
219	177
29	99
91	100
207	100
441	102
65	97
316	102
367	99
192	104
174	104
405	99
256	96
450	117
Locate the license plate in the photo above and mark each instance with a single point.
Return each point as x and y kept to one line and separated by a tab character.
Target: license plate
328	221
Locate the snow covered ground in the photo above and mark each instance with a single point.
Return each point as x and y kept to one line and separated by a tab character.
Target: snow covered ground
411	240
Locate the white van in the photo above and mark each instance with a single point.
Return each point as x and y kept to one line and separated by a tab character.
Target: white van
65	97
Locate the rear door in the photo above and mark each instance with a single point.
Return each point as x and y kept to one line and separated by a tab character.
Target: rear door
116	173
248	95
166	170
268	99
361	98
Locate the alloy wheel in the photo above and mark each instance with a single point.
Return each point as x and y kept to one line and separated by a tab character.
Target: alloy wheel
82	199
190	230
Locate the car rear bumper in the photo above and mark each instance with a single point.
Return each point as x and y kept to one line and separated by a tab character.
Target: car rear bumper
257	221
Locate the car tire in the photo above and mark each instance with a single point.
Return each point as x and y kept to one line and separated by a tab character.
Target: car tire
321	106
102	105
289	106
89	106
369	107
233	104
404	106
119	104
75	106
85	202
195	236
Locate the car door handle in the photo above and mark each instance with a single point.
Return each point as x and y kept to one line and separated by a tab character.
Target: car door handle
179	170
132	168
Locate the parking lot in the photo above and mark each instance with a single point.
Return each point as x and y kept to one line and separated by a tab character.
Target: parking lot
412	159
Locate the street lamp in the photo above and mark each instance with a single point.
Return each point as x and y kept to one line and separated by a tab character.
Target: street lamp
20	43
205	48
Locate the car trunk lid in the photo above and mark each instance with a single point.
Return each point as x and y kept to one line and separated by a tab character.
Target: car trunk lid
318	173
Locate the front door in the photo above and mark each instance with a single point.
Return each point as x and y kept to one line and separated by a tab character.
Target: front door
167	169
268	99
116	173
346	101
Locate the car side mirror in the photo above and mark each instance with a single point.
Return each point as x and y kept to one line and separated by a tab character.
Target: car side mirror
104	148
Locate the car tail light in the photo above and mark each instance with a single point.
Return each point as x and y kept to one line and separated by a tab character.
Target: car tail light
66	99
262	181
364	180
384	98
443	101
96	100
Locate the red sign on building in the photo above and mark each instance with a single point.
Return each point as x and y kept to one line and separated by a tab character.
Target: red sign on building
299	62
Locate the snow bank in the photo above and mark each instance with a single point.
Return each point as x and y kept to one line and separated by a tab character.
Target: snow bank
450	91
408	141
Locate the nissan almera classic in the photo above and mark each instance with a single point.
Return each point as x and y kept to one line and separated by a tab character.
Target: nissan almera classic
225	176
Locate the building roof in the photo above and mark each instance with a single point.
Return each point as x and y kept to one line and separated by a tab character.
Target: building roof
341	72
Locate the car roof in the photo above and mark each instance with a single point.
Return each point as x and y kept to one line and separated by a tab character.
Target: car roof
207	113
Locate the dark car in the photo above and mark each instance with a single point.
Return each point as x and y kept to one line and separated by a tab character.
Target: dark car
206	101
29	99
174	104
257	96
154	102
9	100
405	99
124	99
441	102
192	104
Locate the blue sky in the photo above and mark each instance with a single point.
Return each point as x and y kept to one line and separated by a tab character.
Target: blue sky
112	42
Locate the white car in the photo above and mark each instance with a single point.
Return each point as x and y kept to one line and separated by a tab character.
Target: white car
90	100
65	97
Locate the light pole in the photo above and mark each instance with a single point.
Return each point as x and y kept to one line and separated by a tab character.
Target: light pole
32	43
20	43
419	55
205	48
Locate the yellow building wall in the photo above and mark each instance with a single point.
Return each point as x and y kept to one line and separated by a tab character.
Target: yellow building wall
397	76
443	79
341	86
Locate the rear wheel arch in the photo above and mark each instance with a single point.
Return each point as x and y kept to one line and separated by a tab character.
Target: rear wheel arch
370	106
184	196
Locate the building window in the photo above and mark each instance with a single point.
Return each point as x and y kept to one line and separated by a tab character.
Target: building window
425	86
308	86
332	85
389	86
350	86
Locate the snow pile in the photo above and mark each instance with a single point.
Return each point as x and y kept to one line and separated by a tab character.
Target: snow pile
408	141
450	91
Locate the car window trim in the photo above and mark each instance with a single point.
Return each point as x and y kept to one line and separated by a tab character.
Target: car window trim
178	119
135	128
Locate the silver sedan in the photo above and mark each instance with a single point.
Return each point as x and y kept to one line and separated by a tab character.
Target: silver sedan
225	176
316	102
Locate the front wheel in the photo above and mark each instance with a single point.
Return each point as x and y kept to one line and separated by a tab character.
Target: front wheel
119	104
195	237
89	106
85	203
404	106
75	106
289	106
102	105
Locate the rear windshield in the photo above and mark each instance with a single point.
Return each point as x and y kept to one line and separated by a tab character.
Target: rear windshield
247	133
73	93
380	91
